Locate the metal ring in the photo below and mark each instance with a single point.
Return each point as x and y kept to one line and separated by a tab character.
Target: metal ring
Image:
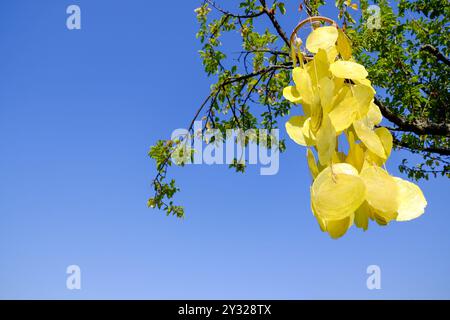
310	20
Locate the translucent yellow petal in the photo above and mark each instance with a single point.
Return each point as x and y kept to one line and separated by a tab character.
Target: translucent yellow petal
294	128
356	157
291	93
306	109
326	140
321	38
386	139
373	159
365	82
338	157
362	216
337	228
351	138
348	70
345	168
310	137
374	115
318	67
343	115
343	45
383	218
363	95
412	202
332	54
387	142
336	196
380	217
338	84
316	118
382	190
369	138
312	164
326	93
340	93
303	84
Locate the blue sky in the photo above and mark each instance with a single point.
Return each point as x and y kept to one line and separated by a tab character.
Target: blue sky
78	112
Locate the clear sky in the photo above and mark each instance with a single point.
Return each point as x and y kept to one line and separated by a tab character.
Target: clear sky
78	112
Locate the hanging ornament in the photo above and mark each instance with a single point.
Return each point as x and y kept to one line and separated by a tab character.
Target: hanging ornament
349	187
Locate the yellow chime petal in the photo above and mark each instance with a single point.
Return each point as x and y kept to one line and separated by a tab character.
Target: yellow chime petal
312	163
412	202
304	86
356	152
326	93
321	38
338	84
338	157
369	138
372	159
340	93
337	228
310	137
386	139
332	54
337	193
363	95
348	70
318	67
294	128
374	115
356	156
347	188
365	82
383	218
316	117
387	142
291	93
382	190
343	115
362	215
343	45
326	140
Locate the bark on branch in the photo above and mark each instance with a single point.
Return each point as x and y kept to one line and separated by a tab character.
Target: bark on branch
429	48
420	127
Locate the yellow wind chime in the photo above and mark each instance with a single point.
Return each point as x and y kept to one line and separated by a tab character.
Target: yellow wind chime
338	103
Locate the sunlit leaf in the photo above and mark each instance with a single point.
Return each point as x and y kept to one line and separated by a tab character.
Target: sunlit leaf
348	70
337	193
343	45
291	93
326	140
412	202
382	190
321	38
369	138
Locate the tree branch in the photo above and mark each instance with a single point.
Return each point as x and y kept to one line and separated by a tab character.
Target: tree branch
420	127
275	23
434	51
441	151
230	14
